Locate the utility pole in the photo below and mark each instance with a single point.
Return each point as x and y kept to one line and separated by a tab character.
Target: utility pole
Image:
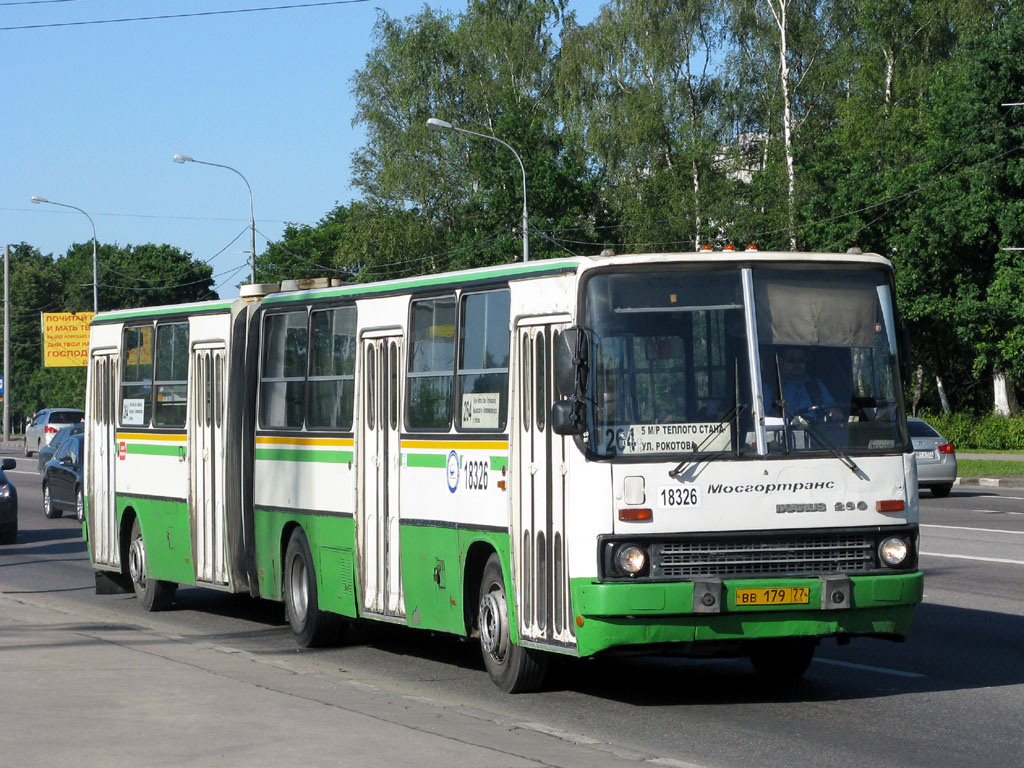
7	343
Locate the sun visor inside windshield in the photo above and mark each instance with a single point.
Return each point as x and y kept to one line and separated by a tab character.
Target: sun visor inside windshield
839	310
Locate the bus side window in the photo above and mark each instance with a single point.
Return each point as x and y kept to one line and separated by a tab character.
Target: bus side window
483	360
170	386
332	368
137	375
283	382
430	380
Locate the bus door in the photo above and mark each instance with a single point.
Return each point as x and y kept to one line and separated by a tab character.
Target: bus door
380	569
539	506
101	459
206	457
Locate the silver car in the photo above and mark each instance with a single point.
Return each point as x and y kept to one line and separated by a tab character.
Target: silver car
44	425
936	458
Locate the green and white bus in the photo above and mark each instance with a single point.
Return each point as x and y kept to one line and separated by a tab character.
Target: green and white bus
583	456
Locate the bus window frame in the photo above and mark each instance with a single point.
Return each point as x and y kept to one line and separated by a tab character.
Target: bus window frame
461	372
261	379
409	375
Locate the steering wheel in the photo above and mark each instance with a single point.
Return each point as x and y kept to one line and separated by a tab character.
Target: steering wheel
820	414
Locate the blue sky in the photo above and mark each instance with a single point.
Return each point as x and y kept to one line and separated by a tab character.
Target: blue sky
92	115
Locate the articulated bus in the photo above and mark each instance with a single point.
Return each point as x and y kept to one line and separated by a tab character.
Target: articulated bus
581	456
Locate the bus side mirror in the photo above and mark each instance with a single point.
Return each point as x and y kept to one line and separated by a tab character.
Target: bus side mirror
571	362
567	417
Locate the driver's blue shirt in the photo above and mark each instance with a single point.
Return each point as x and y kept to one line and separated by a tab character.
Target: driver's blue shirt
799	395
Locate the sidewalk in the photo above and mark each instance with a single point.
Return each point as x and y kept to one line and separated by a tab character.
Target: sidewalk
77	692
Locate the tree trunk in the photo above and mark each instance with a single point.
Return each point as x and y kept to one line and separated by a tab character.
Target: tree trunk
918	387
781	22
942	394
1005	396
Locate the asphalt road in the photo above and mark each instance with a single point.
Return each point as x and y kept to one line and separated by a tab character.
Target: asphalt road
952	695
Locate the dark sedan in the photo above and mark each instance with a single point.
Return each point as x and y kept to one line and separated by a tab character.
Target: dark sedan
62	480
47	452
8	505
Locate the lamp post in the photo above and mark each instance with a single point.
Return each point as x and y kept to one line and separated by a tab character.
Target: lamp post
95	292
252	217
443	125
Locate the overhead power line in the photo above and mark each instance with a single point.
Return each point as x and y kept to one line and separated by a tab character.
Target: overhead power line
180	15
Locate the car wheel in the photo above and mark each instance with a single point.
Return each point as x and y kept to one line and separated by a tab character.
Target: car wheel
9	535
513	668
941	491
79	506
153	594
311	626
49	509
27	451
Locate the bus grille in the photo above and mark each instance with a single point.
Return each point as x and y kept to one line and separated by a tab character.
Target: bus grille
791	555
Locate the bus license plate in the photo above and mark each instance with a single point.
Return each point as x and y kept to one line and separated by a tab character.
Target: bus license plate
774	596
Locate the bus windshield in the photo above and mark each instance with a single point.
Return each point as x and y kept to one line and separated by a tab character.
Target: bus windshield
674	373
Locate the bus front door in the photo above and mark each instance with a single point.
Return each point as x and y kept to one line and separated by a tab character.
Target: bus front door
101	458
539	508
378	523
206	456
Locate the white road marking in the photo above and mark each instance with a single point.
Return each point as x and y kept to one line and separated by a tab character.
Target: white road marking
881	670
966	528
980	559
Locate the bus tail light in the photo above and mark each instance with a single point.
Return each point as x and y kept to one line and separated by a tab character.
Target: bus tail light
890	505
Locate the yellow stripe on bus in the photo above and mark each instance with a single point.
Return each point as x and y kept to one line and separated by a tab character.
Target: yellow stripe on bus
468	445
145	436
329	441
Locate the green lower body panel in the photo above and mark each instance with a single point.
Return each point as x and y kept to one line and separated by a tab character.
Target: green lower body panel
167	536
616	615
441	569
332	543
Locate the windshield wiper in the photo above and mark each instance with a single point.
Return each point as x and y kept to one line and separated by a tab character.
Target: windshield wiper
844	457
733	414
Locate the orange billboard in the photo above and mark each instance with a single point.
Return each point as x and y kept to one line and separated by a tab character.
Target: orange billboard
66	339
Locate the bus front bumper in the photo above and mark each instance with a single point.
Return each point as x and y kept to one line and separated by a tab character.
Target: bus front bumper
697	617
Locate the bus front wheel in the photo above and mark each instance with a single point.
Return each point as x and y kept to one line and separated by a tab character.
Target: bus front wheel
511	667
311	626
152	594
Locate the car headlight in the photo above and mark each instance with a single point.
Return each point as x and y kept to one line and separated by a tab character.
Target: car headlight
631	559
893	551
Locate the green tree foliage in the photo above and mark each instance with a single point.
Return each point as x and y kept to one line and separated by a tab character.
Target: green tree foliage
489	70
127	276
658	125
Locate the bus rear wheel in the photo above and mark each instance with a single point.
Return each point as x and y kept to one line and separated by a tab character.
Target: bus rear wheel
511	667
311	626
152	594
783	661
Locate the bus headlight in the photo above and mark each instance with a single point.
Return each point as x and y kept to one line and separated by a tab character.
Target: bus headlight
631	559
893	551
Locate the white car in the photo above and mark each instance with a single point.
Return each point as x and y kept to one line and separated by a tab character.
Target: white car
45	424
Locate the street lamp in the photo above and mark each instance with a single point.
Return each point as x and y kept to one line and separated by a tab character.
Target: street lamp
252	217
443	125
95	293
